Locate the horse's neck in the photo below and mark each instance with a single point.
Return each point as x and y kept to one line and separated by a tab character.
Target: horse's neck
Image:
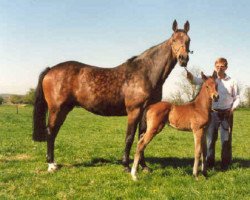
161	62
203	100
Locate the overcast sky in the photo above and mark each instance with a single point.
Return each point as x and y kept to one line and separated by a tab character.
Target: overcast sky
35	34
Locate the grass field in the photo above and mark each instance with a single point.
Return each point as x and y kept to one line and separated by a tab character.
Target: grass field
89	150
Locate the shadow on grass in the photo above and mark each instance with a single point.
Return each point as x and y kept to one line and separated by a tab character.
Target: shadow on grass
173	162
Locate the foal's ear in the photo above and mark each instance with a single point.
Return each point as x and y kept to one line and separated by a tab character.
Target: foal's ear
214	75
203	76
175	25
186	26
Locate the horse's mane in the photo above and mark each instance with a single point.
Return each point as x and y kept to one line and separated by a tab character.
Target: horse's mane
131	59
131	62
199	90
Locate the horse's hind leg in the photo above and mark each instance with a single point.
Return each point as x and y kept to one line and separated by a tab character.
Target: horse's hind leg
143	142
198	150
142	130
56	119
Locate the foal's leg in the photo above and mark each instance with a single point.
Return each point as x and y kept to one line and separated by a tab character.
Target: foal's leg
142	130
133	117
197	155
56	119
143	142
204	154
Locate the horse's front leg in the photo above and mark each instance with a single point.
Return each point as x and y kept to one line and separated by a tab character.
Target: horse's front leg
133	116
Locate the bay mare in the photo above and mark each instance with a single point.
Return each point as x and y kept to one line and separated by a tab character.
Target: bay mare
193	116
123	90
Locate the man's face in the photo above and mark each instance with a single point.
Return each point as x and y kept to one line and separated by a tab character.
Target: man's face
220	68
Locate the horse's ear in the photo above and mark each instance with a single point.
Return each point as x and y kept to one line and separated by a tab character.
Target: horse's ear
186	26
203	76
214	75
175	25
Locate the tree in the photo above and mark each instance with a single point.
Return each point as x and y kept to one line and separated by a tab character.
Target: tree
29	97
247	96
16	99
1	100
186	90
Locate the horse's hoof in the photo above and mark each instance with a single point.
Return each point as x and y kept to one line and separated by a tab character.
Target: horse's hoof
147	169
134	178
52	167
127	169
195	177
204	174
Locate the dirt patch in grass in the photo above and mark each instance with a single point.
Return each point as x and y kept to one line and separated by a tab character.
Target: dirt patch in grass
18	157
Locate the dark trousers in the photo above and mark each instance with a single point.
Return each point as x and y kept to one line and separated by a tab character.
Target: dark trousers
220	120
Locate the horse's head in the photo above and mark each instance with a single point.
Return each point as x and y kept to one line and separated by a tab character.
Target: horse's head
180	43
211	86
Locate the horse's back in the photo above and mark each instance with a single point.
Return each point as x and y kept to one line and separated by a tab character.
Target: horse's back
159	111
98	90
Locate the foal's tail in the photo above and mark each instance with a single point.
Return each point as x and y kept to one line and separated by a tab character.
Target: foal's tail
40	110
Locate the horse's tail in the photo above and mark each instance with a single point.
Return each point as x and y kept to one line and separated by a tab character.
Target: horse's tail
40	110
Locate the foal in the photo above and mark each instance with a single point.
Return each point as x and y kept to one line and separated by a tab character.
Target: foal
191	116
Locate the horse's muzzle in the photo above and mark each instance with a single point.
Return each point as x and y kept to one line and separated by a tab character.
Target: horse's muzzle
183	60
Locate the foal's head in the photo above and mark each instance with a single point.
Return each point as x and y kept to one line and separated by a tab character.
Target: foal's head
180	43
211	86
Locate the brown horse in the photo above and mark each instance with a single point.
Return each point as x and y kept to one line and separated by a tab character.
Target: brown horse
124	90
191	116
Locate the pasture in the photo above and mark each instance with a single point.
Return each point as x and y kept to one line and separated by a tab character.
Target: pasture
89	150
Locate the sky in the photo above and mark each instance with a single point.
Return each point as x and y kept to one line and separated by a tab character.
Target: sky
36	34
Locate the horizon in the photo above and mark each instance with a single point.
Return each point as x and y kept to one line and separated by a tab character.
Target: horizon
37	34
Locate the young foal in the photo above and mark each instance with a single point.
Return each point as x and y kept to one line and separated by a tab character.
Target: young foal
191	116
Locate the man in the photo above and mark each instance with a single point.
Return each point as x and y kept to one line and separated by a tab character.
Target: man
222	114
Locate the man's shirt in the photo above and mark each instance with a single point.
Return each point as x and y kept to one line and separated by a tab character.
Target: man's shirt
229	97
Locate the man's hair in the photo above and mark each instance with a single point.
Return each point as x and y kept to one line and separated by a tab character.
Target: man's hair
221	60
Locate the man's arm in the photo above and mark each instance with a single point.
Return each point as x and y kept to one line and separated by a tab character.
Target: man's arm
236	96
194	80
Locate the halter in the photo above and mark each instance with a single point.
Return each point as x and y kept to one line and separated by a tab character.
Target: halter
181	46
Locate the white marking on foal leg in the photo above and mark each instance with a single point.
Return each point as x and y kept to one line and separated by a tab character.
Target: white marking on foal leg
133	174
52	167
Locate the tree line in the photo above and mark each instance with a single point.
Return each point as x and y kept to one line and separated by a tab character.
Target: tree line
186	92
28	98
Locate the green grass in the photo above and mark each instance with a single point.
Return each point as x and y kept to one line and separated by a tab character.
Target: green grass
89	149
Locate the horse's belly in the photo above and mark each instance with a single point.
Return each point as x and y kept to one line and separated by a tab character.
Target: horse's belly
106	109
179	122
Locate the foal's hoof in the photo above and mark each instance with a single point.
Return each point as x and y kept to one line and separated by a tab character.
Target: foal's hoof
134	178
127	169
52	167
147	169
195	177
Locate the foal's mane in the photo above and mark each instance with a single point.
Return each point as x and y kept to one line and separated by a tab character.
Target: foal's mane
199	90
